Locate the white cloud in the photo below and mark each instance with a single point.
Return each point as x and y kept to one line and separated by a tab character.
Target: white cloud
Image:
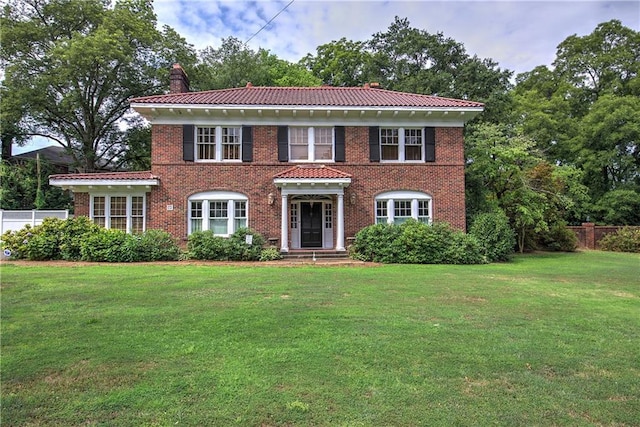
519	35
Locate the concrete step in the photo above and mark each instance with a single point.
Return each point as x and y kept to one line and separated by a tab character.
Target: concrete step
311	254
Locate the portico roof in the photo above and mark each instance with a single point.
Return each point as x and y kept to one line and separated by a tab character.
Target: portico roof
312	172
312	179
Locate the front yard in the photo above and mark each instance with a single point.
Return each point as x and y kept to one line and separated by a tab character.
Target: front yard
548	339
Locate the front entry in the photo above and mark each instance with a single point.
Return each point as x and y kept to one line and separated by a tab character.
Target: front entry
311	224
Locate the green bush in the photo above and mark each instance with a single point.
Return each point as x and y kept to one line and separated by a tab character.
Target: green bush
240	250
374	243
626	239
496	238
414	242
270	254
557	238
156	245
16	241
204	245
108	246
73	232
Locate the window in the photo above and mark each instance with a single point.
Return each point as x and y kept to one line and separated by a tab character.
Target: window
206	142
99	211
389	142
299	143
328	216
400	144
231	143
294	215
219	211
119	213
395	207
196	216
218	143
311	144
381	212
402	211
126	213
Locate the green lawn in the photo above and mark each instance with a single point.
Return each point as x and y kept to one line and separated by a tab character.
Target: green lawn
548	339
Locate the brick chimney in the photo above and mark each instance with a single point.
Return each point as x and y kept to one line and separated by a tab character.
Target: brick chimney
179	81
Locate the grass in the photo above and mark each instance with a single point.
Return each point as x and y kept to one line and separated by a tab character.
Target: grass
548	339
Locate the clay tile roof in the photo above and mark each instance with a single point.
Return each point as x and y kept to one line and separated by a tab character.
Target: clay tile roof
311	172
322	96
107	175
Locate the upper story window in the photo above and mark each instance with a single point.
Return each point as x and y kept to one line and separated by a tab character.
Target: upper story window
401	144
119	212
395	207
218	143
222	212
311	144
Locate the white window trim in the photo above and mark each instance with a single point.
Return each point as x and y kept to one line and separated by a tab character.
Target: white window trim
311	152
229	197
107	208
218	148
391	196
401	145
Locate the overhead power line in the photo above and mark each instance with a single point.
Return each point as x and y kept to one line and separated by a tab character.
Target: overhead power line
270	21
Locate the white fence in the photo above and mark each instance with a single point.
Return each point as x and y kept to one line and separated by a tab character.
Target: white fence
15	220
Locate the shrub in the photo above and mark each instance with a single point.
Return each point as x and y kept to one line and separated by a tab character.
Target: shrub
373	243
557	238
204	245
73	233
626	239
270	254
496	238
108	246
414	242
156	245
239	250
16	241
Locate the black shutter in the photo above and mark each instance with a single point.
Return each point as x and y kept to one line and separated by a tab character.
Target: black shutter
283	143
374	143
339	157
430	144
188	134
247	143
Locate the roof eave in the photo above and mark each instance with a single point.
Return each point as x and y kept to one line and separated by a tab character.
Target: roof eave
86	185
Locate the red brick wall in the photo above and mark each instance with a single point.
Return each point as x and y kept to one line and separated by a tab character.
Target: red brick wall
81	204
443	180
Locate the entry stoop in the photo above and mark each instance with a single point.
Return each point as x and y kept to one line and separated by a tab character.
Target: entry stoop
318	255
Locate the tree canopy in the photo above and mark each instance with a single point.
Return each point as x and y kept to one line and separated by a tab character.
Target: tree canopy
71	67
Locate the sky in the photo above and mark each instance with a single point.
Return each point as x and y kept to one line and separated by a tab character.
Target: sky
518	35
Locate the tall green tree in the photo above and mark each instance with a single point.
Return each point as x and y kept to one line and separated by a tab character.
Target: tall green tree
20	189
340	63
71	67
507	172
233	64
585	112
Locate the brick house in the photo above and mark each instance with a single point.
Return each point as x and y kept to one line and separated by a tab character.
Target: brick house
305	167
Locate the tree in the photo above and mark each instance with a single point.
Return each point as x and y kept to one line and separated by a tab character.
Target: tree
610	147
72	65
506	171
233	64
19	187
340	63
585	112
413	60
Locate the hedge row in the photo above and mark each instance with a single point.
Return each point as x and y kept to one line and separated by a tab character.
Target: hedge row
79	239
